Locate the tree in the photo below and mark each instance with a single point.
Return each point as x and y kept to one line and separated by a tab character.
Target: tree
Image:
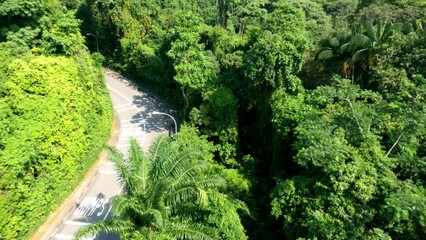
164	190
386	13
196	68
217	118
358	50
345	175
236	15
318	23
277	53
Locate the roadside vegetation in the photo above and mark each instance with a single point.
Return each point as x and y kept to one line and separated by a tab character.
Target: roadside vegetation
310	112
55	112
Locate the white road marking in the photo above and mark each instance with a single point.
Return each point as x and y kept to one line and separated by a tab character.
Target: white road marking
109	210
127	108
107	172
122	145
119	93
63	236
106	215
90	205
70	222
130	120
123	105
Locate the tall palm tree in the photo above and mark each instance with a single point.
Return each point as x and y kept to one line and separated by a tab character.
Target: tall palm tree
161	191
364	43
359	48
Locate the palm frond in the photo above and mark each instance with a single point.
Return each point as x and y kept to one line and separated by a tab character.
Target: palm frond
214	181
156	218
370	31
325	54
191	172
344	48
379	32
359	41
157	192
407	28
124	205
387	31
190	192
160	154
203	199
342	36
108	226
179	162
191	231
334	42
184	194
360	55
125	173
157	146
140	164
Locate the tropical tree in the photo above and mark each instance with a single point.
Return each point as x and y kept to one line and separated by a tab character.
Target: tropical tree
359	49
348	184
196	68
166	193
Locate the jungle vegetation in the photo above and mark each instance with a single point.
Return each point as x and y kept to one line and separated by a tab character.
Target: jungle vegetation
310	114
55	112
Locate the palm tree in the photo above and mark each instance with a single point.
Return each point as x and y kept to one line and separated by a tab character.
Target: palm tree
359	48
330	48
161	191
364	44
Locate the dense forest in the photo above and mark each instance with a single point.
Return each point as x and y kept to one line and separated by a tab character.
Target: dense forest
303	119
55	112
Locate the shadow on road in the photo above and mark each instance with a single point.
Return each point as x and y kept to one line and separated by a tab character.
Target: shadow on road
153	123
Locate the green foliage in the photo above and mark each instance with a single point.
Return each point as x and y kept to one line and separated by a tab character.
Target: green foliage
346	176
386	13
222	215
56	114
318	23
405	211
60	34
195	68
217	118
347	156
165	190
278	52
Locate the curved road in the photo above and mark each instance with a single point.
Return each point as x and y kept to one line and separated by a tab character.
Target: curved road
134	112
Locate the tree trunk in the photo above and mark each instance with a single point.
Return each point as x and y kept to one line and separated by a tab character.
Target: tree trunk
186	102
222	10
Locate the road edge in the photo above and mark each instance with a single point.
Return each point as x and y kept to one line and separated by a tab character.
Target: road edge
51	224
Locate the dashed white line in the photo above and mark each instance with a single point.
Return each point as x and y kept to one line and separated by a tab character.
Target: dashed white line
123	105
70	222
130	120
122	145
127	108
119	93
107	172
63	236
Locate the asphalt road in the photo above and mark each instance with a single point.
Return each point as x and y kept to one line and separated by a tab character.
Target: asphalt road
134	110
